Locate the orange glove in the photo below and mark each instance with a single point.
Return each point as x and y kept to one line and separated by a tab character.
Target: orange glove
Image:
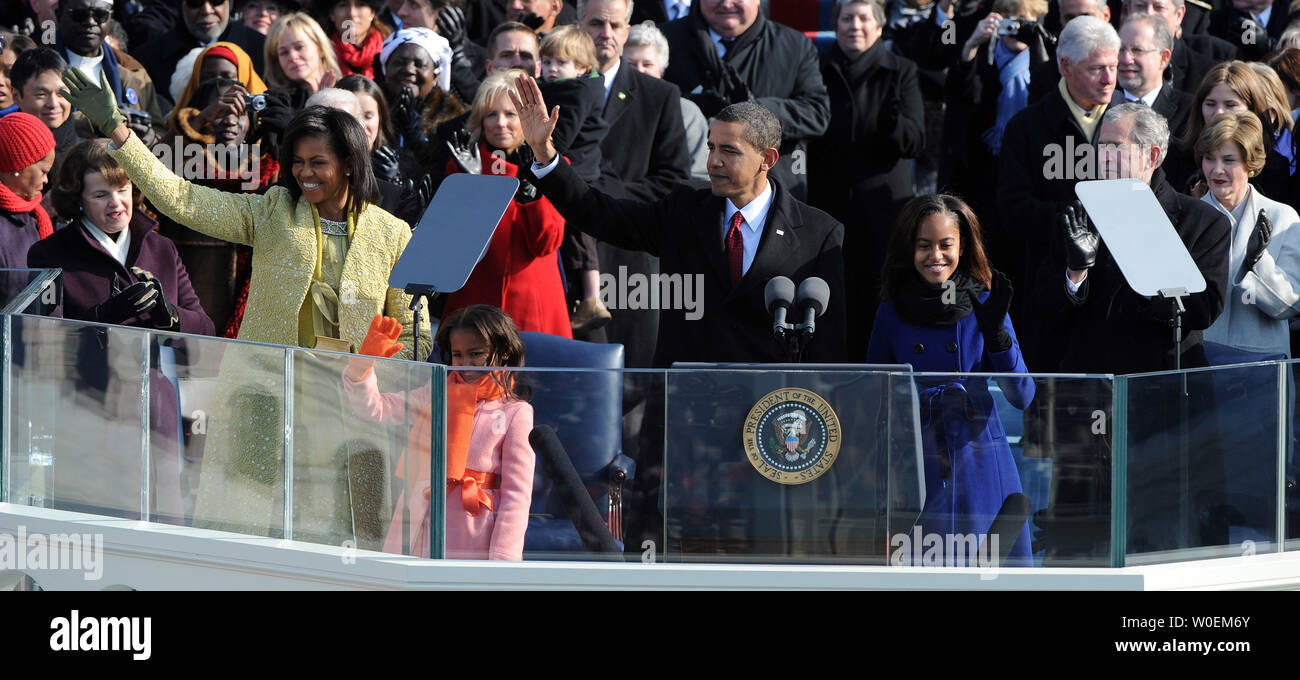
381	341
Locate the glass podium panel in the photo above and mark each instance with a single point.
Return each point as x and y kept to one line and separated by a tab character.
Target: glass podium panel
1203	453
786	466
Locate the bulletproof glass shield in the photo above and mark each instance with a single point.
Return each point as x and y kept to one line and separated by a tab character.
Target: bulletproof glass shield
454	232
1140	236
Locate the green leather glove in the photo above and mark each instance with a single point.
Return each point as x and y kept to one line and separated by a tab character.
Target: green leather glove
97	103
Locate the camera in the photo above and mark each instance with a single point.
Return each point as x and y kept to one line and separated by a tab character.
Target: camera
1009	27
255	102
136	116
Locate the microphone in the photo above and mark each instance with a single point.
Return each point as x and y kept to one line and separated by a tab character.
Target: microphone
777	296
814	295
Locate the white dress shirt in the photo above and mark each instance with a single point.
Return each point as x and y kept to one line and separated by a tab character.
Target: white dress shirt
1149	98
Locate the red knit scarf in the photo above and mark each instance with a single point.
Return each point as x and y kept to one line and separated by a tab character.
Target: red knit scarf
12	203
359	60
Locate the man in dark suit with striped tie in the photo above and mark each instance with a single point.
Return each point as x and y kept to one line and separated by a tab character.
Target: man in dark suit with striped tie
733	237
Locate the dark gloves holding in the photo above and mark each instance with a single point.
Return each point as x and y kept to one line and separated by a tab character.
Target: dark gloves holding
1081	240
990	315
144	298
532	21
384	161
127	303
163	316
1254	42
406	118
1258	242
730	90
709	101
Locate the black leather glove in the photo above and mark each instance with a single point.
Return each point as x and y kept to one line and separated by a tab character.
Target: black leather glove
1258	242
126	303
528	191
532	21
451	25
465	152
990	314
709	101
163	316
735	86
419	191
384	161
406	118
1081	240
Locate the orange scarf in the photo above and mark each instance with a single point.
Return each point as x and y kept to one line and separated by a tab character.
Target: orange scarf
462	400
243	66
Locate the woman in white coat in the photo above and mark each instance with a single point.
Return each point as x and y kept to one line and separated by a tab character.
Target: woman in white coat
1264	265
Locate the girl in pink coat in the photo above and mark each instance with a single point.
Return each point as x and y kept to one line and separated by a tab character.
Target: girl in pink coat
489	460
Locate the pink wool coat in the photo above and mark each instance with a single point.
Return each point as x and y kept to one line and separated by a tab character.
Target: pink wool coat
498	444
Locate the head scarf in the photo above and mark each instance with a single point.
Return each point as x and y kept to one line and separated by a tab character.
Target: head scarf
226	50
437	46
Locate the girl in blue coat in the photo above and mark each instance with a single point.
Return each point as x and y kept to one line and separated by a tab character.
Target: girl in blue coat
944	310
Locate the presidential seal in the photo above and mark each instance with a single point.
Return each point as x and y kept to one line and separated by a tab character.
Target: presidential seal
791	436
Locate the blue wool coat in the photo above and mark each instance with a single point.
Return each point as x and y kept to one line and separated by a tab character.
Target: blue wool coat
969	470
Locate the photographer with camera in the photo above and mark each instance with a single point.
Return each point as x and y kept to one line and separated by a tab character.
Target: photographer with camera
983	90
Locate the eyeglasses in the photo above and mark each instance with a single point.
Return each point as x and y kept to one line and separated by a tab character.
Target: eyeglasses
1137	51
195	4
100	15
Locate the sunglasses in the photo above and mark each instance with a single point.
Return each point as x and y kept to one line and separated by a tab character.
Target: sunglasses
100	15
195	4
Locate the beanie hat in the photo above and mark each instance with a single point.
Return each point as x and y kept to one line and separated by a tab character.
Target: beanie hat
24	139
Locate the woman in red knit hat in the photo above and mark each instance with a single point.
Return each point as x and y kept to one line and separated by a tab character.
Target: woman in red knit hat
26	156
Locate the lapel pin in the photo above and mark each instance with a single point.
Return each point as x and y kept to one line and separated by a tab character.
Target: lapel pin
622	95
780	232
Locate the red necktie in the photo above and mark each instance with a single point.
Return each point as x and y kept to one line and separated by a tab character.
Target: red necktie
736	249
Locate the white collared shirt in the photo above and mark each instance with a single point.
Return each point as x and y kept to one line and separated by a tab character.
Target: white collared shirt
751	228
1149	98
609	78
91	66
117	249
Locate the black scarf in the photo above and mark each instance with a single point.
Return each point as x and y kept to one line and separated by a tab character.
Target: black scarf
714	68
855	68
924	304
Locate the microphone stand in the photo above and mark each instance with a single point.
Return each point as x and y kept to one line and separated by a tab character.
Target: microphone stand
421	294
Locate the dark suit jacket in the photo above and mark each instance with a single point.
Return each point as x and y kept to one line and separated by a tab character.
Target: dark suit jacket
1227	23
645	148
778	64
1029	203
1175	106
649	10
1115	330
685	231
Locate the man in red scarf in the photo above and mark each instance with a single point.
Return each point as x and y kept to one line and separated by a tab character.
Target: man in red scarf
26	155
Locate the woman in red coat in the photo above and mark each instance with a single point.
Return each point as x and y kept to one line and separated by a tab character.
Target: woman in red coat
520	272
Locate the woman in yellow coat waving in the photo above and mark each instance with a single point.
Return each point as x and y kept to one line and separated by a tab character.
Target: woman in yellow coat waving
322	254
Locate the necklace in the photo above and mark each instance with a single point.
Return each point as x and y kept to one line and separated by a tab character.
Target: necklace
333	228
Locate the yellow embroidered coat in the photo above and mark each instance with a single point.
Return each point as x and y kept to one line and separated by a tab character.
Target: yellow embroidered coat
282	232
241	486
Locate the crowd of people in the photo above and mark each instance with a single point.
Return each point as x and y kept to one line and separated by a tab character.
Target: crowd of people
254	169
